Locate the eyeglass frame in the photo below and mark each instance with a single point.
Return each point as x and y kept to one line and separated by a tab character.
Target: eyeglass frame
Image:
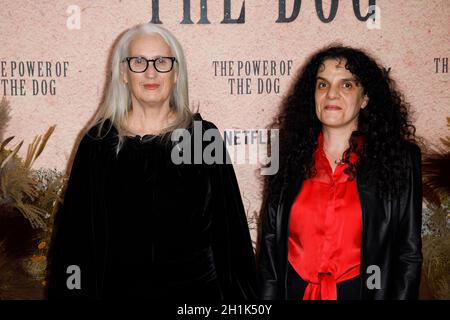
128	60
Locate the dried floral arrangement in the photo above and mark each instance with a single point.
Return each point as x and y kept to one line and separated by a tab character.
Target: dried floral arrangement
28	201
436	235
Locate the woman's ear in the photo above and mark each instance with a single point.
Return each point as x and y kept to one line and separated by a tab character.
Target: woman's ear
365	102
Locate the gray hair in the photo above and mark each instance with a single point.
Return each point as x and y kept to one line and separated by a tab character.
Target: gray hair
117	100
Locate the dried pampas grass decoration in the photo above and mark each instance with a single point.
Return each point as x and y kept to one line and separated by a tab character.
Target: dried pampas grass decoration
28	201
436	242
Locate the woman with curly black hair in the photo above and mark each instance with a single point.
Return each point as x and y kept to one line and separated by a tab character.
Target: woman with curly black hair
342	218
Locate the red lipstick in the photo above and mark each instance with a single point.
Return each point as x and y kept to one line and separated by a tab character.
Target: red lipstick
332	107
151	86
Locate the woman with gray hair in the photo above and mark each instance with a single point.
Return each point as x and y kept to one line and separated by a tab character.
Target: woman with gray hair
135	224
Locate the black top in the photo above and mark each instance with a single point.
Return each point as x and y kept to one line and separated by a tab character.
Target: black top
138	225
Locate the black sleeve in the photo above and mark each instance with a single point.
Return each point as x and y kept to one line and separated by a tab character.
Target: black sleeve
267	275
410	240
232	245
231	241
73	238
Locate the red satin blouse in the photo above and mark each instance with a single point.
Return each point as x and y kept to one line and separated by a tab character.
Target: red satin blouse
325	227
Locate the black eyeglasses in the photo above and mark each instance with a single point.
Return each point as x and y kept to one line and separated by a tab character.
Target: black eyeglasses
140	64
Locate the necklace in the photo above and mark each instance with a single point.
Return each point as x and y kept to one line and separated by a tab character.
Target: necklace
337	161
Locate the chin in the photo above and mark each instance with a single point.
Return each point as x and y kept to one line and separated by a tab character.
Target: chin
332	122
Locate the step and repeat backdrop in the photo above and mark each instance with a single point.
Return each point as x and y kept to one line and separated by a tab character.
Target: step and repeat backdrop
241	56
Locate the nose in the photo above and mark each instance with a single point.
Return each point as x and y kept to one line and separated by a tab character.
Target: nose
333	92
151	71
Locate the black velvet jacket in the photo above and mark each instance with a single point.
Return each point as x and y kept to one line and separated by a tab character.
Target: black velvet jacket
391	238
140	226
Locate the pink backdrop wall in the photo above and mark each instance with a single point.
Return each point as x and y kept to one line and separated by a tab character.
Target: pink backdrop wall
410	36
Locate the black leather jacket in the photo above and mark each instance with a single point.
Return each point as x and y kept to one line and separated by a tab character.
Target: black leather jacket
391	238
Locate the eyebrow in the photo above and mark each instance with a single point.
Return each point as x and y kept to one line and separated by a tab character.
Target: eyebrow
144	56
345	79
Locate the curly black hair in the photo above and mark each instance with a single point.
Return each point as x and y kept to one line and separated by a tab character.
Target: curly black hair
384	123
